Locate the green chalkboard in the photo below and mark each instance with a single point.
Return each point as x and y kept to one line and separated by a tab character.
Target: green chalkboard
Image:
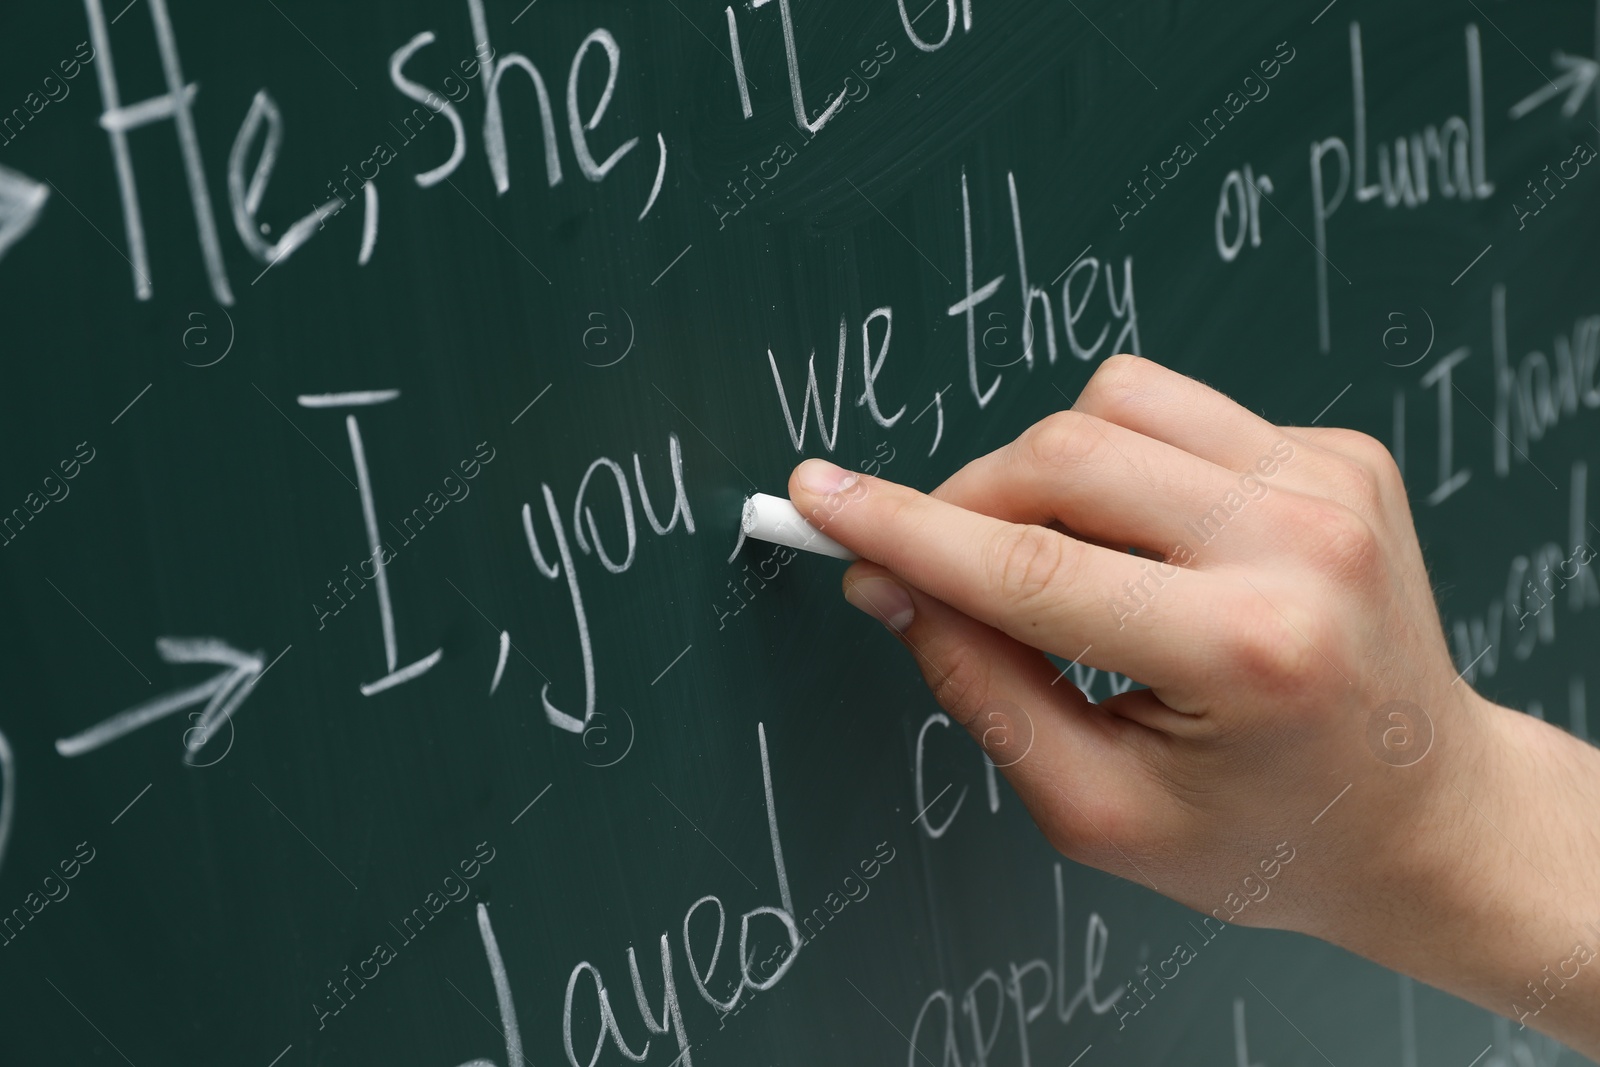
384	679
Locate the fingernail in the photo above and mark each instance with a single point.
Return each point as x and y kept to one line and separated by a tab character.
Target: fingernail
823	478
884	600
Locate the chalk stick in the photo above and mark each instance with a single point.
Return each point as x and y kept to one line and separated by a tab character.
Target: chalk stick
775	519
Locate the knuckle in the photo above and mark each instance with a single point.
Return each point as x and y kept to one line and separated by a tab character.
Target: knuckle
1361	447
1346	547
1391	483
1375	457
1357	485
1095	829
1029	563
1116	385
1334	540
1063	439
1123	367
1269	653
1370	474
959	678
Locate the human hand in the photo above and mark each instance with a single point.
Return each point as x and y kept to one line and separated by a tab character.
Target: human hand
1276	603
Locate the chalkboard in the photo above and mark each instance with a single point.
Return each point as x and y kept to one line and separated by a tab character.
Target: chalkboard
385	681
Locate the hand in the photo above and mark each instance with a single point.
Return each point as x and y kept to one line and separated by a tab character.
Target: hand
1301	697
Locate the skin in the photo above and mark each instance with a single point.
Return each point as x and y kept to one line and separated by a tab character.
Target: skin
1444	837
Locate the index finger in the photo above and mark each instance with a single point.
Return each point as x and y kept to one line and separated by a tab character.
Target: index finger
1080	601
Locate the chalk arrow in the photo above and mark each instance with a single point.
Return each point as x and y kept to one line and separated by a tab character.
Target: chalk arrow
21	203
222	695
1576	80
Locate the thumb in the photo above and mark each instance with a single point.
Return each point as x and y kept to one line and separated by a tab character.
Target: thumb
1076	767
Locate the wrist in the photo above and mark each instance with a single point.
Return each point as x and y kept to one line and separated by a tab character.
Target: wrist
1484	882
1548	913
1419	867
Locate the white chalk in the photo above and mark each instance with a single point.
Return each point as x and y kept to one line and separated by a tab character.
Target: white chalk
775	519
